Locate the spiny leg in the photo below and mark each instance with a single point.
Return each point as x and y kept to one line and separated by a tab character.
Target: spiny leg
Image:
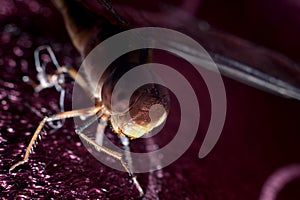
82	112
128	158
154	177
115	155
51	79
74	113
55	79
97	144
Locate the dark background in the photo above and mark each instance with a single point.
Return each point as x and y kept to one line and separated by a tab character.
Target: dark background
261	133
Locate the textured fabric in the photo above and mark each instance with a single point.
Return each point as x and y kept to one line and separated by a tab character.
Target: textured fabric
261	133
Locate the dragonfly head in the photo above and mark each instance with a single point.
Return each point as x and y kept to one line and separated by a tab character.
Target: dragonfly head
148	108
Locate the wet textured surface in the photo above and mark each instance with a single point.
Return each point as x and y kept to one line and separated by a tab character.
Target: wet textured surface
261	133
60	167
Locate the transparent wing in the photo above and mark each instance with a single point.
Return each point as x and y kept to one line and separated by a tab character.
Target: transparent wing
235	57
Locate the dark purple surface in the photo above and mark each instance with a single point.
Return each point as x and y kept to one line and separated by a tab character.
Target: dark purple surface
261	133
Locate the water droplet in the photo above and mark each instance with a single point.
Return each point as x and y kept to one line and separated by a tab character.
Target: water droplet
2	139
24	121
159	174
78	144
9	85
18	51
45	58
3	102
72	157
27	133
13	97
10	130
24	65
12	63
104	190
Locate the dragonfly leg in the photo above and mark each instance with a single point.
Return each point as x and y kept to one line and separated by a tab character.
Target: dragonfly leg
97	144
116	155
125	142
37	134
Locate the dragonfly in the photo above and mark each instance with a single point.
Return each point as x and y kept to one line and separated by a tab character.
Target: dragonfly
88	26
84	38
